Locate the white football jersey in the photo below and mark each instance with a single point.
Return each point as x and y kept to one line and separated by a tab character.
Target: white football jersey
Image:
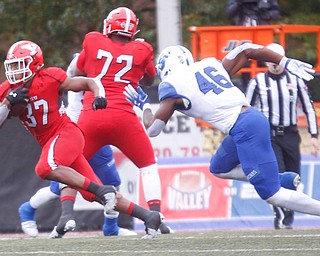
208	93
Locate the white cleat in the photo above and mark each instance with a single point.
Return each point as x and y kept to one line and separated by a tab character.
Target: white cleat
110	202
70	226
30	228
151	234
126	232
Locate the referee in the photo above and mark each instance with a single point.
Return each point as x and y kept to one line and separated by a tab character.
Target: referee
276	93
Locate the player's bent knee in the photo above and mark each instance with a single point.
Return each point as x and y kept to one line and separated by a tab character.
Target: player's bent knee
42	173
281	198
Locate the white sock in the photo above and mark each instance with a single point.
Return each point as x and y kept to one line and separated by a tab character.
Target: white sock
41	197
296	201
151	182
111	214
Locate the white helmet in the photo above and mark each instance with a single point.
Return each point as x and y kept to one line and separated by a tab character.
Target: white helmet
276	48
172	57
274	68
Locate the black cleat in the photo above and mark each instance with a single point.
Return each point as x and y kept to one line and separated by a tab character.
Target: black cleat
152	224
164	229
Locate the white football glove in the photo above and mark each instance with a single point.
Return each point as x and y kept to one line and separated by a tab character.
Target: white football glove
300	69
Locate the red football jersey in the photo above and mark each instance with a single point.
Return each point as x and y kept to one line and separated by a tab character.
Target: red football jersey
117	65
42	117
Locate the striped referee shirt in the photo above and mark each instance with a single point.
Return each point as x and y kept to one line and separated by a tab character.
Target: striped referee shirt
277	96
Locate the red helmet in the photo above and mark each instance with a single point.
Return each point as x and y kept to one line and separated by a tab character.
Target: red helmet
121	21
24	59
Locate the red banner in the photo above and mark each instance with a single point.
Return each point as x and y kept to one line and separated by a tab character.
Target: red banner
191	191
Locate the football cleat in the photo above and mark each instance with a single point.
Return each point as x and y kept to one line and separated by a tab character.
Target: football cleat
108	197
70	226
30	228
164	229
126	232
27	218
152	224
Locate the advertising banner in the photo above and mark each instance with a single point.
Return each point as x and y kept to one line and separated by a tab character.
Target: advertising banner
190	191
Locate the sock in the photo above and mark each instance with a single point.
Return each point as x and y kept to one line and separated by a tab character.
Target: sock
151	183
99	190
27	212
110	226
66	214
154	206
139	212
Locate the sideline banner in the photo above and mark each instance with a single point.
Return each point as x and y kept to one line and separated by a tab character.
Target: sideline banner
189	190
193	199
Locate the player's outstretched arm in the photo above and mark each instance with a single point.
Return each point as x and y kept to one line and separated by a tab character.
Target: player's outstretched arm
237	58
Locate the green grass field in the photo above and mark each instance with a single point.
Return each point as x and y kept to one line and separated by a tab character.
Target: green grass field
261	243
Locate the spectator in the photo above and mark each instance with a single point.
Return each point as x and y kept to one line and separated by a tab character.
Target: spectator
276	93
251	13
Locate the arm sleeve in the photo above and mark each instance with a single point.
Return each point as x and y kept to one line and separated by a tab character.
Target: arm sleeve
156	128
74	105
4	112
72	66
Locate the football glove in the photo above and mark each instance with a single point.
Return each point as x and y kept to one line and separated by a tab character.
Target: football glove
19	95
138	97
99	103
296	67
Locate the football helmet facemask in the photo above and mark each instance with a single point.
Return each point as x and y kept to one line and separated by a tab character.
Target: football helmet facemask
274	68
121	21
24	59
172	57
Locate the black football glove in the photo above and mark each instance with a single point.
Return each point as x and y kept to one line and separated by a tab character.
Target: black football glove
99	103
18	95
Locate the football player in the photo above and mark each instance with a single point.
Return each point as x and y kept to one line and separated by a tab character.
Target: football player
61	140
204	90
115	60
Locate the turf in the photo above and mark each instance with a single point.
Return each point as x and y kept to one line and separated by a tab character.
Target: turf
226	243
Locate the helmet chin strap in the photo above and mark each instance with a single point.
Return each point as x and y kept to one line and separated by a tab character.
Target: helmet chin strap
136	32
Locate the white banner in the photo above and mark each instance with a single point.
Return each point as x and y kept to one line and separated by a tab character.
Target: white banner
180	138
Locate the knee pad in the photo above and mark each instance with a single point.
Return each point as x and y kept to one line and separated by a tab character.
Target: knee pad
289	180
55	187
